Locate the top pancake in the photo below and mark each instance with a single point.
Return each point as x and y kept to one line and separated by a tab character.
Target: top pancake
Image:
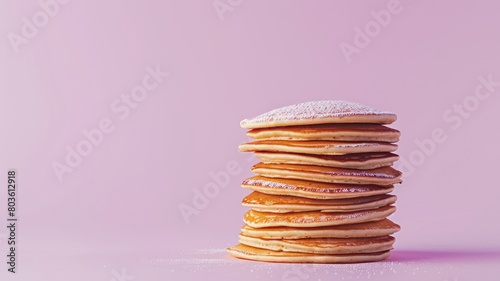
335	132
319	112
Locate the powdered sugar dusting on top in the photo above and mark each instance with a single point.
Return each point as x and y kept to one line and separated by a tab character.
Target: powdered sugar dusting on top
312	110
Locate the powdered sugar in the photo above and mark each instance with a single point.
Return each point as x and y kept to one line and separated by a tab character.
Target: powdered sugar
313	110
402	265
210	251
359	144
269	184
361	173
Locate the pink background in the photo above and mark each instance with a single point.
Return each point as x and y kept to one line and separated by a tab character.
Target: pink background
121	203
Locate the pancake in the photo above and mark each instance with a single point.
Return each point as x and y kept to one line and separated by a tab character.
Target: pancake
324	246
315	218
379	176
284	204
347	161
310	189
335	132
367	229
319	112
317	147
256	254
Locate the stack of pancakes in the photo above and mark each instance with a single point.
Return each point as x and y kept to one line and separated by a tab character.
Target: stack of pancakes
321	193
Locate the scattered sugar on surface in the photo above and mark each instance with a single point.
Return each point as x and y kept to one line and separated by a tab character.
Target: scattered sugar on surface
211	259
217	260
210	251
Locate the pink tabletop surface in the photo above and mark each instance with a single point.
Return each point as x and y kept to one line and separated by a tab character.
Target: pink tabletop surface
117	115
